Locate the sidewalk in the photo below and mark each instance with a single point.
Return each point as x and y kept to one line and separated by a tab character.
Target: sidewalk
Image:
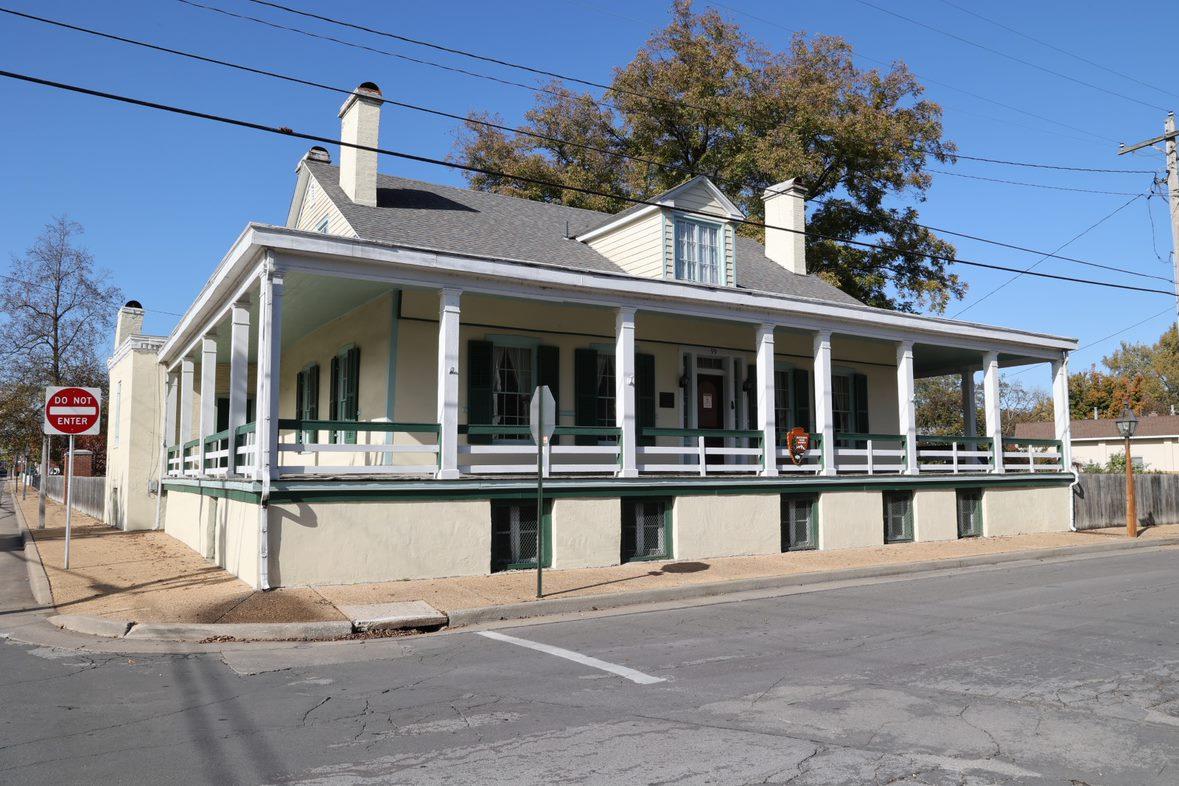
148	577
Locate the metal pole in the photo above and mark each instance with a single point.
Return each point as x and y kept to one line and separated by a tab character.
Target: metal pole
1173	197
41	489
540	445
1131	505
69	500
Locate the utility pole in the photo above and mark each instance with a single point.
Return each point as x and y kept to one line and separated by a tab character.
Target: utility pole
1169	149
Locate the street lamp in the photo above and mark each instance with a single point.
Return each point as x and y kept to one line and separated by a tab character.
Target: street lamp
1127	425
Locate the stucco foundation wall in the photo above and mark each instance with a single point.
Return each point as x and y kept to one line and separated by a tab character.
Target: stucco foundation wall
850	519
183	514
223	531
935	515
587	533
354	542
726	526
1015	511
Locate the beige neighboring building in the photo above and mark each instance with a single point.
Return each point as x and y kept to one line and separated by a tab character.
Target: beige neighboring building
133	423
347	397
1155	445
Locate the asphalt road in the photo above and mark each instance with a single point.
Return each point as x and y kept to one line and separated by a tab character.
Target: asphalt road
1061	672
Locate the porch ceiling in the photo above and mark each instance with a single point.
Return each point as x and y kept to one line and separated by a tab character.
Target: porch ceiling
934	360
310	301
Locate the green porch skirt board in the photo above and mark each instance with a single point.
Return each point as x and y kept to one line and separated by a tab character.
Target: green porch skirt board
516	488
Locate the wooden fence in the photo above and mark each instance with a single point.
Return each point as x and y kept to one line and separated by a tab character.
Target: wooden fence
87	496
1100	500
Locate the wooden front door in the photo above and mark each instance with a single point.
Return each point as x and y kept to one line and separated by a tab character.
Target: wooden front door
710	411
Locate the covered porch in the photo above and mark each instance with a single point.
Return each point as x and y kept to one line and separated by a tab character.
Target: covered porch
310	374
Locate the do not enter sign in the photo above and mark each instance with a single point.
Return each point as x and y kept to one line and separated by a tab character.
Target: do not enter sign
70	411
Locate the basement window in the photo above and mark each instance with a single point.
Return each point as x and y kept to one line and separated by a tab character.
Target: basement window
646	529
898	516
513	536
798	522
969	513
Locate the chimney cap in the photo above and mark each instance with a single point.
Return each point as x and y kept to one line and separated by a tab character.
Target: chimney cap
366	91
368	87
318	153
791	187
133	304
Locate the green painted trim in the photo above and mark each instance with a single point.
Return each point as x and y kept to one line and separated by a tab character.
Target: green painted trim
355	425
237	495
701	432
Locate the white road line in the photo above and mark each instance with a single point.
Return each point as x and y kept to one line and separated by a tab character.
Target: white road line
576	657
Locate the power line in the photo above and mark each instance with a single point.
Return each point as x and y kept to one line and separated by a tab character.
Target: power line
1011	57
946	85
287	132
1068	242
537	88
1055	48
1165	312
1058	166
1029	185
555	140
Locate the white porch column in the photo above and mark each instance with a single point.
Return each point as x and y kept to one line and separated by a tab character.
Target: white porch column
824	410
624	391
171	405
239	358
907	403
208	416
969	412
267	460
448	382
991	406
1062	411
186	391
767	421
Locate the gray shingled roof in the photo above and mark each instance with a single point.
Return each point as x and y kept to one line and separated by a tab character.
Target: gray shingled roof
1105	428
457	220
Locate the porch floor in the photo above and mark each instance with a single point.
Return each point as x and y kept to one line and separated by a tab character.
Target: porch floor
151	577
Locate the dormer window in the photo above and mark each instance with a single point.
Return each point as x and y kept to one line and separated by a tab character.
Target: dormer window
698	251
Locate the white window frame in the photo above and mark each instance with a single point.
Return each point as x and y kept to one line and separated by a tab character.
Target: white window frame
679	221
322	226
499	342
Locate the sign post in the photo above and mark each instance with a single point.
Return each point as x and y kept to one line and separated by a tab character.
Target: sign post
69	411
542	420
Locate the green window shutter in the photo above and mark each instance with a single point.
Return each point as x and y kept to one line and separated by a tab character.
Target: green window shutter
334	391
301	398
585	391
860	403
751	397
548	372
479	389
312	392
801	379
645	396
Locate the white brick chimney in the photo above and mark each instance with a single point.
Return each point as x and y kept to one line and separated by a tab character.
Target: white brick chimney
360	121
786	207
129	322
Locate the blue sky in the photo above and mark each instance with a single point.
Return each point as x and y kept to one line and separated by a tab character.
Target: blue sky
162	197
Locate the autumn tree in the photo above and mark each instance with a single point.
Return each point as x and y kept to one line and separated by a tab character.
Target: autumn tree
56	309
700	97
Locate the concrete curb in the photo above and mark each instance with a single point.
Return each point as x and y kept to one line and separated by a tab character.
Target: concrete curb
554	606
240	631
93	626
38	578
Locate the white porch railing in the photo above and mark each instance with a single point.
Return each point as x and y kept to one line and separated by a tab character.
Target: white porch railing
344	447
955	454
510	450
700	451
1033	455
869	454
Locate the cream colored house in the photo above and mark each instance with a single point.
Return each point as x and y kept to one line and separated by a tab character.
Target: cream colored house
347	397
1154	447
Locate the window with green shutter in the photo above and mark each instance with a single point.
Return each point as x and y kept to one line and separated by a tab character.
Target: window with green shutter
513	535
502	375
307	399
969	513
593	392
798	522
345	392
646	529
644	396
898	516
